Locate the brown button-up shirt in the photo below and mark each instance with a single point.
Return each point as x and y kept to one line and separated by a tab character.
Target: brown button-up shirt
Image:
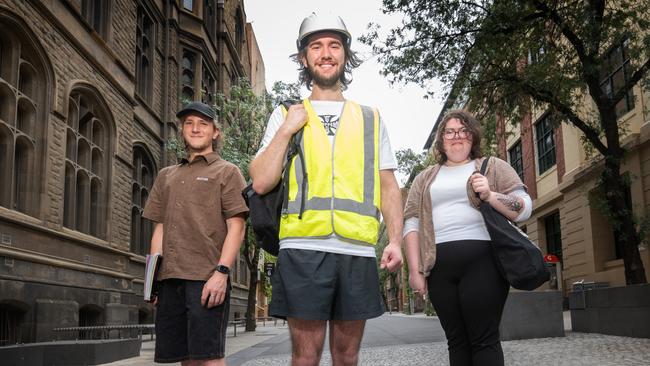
193	200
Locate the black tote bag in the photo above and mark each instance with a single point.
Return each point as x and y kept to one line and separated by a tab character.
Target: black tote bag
519	260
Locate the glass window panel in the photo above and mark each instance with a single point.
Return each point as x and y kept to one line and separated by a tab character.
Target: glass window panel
516	160
618	80
614	75
545	144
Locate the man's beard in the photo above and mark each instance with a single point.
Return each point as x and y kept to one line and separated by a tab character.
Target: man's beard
321	81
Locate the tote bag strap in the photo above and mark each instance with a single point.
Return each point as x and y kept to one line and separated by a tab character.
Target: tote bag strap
484	165
482	171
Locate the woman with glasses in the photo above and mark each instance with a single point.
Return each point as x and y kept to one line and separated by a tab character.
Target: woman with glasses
448	245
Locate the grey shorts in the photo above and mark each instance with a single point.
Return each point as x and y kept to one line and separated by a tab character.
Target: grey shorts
317	285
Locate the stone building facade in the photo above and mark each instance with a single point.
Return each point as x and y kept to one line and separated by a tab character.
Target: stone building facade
88	94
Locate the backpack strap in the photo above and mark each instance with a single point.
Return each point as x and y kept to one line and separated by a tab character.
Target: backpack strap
293	150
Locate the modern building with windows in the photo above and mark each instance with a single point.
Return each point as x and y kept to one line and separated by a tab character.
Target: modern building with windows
89	90
562	179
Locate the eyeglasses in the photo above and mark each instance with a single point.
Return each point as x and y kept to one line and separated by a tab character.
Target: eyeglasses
450	134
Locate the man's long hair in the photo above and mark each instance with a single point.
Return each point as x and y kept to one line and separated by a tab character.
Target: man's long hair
351	62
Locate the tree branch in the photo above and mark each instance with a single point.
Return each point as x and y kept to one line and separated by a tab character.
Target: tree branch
566	30
598	11
548	97
477	5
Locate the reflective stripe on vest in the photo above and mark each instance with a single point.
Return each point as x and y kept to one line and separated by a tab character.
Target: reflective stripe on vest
342	190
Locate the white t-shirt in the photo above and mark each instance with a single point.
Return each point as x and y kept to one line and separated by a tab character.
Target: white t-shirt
453	215
329	112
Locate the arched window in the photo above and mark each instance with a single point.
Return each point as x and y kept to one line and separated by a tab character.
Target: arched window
188	70
239	30
89	316
145	30
23	97
208	95
210	18
97	14
11	322
143	177
88	141
234	75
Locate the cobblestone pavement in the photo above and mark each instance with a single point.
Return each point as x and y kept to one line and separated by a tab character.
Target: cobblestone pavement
576	349
270	346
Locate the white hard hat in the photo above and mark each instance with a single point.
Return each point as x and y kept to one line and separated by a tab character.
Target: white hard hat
319	23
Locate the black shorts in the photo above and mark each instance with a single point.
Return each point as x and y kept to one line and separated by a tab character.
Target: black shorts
185	329
317	285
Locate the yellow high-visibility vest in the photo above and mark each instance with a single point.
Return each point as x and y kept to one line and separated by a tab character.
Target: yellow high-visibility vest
342	190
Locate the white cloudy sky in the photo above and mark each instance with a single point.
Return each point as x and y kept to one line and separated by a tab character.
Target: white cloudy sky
408	116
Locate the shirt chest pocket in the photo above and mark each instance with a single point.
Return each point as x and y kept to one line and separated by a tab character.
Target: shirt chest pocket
203	192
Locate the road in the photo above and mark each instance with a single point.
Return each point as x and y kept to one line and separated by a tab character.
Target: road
387	330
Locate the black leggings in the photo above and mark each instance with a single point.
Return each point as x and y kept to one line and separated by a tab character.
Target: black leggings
468	294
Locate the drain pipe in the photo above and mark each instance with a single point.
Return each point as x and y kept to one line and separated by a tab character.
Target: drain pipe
220	41
165	132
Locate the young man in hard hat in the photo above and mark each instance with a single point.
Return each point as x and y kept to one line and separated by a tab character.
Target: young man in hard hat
326	268
200	219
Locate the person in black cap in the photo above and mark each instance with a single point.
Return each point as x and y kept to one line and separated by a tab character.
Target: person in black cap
199	216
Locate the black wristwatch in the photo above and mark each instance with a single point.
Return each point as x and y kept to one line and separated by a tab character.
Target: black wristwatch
222	269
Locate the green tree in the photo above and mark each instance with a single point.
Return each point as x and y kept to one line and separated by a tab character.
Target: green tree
410	163
506	57
282	91
244	116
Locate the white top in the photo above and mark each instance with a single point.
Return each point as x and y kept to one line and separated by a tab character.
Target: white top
329	112
453	216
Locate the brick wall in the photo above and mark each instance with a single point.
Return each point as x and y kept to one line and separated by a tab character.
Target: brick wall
528	155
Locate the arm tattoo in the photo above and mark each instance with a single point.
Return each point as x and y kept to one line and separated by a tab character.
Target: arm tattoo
512	203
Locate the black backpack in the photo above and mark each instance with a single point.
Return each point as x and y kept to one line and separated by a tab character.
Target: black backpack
266	209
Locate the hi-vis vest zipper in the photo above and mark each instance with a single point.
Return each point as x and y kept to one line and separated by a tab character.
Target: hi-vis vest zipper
342	189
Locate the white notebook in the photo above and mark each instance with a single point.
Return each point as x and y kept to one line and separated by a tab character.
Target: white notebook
150	272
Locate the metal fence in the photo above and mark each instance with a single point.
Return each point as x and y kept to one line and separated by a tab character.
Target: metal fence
137	330
106	331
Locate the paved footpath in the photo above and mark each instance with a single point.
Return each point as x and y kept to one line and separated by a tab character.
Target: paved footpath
244	341
402	340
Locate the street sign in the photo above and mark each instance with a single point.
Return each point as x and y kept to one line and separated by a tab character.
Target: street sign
551	258
268	269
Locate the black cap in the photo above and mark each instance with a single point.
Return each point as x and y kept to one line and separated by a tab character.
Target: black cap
198	107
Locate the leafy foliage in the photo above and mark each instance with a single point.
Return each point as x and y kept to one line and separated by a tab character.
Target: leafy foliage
410	163
506	57
282	91
244	117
